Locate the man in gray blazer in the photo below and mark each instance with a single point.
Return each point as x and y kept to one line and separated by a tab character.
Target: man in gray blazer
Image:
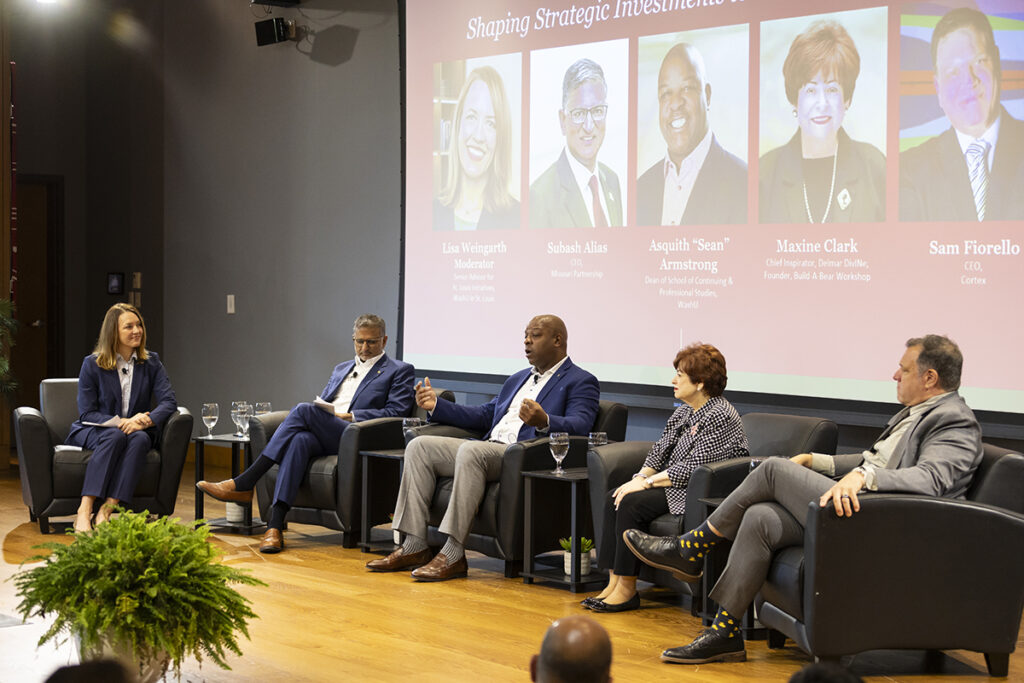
931	447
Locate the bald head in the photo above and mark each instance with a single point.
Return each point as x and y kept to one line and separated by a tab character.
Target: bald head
545	341
684	96
575	649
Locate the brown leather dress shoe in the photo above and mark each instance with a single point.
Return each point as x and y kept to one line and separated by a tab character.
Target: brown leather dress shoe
399	560
439	569
224	490
273	542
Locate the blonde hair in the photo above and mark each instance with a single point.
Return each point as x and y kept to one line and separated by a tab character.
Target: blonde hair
106	345
496	194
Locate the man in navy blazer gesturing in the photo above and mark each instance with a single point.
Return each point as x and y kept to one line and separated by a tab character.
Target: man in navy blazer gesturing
370	386
551	396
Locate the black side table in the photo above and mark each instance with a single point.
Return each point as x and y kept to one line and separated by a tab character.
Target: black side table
576	478
396	454
239	444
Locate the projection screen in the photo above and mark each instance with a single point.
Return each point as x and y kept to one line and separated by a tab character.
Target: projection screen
797	188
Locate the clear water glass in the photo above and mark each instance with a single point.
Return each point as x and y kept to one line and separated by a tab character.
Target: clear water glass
211	411
263	407
559	443
239	415
595	439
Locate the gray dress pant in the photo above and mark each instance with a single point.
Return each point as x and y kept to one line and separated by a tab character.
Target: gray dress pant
765	513
471	463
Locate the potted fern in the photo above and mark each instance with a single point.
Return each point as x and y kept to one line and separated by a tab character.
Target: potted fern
586	545
147	593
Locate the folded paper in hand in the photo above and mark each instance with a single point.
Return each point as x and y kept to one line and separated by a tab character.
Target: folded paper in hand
324	405
112	422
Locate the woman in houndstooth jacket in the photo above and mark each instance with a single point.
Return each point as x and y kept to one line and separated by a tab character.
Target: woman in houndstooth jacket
705	428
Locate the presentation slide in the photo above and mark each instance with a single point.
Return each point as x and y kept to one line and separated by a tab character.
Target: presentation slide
804	190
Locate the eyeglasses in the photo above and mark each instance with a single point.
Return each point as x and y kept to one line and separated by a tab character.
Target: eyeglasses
597	113
366	342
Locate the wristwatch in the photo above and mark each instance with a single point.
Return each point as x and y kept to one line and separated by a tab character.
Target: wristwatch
649	482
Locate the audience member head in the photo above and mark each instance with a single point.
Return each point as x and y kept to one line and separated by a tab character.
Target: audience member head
99	671
545	341
481	141
584	107
684	96
824	672
576	649
704	365
368	336
111	334
967	70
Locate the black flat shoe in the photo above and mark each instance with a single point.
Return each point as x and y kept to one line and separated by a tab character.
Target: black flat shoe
663	552
631	604
589	603
709	646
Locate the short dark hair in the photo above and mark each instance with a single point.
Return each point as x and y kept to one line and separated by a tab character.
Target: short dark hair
941	354
703	363
967	17
826	47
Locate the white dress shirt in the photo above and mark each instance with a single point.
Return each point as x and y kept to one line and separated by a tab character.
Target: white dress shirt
679	181
125	372
991	136
352	380
582	175
507	429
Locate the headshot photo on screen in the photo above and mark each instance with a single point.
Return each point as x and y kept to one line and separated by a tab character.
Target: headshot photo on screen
691	156
961	129
831	169
477	143
578	123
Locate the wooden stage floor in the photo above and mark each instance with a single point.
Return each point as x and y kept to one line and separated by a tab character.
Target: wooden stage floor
323	617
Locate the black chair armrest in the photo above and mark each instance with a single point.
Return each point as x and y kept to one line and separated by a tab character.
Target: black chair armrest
173	447
610	466
35	455
437	429
883	574
262	428
712	480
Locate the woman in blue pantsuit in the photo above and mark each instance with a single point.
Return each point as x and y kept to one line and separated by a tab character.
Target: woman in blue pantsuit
124	400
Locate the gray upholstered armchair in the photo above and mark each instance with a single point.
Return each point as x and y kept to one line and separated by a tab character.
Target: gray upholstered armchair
497	530
52	473
768	434
331	493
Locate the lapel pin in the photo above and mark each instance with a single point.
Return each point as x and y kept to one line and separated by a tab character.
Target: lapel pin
844	199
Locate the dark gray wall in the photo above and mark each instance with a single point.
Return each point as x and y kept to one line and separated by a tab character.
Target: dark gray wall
282	187
88	109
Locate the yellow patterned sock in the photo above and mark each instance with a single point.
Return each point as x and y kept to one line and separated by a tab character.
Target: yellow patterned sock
694	544
726	624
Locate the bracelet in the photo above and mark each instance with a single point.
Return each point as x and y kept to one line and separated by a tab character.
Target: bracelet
639	474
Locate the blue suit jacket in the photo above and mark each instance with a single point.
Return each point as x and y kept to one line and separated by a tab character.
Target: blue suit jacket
99	394
386	392
569	398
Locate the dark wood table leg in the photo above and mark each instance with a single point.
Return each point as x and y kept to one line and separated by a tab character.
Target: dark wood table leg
200	475
528	529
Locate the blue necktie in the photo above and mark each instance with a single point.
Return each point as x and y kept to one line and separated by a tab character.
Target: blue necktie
977	167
